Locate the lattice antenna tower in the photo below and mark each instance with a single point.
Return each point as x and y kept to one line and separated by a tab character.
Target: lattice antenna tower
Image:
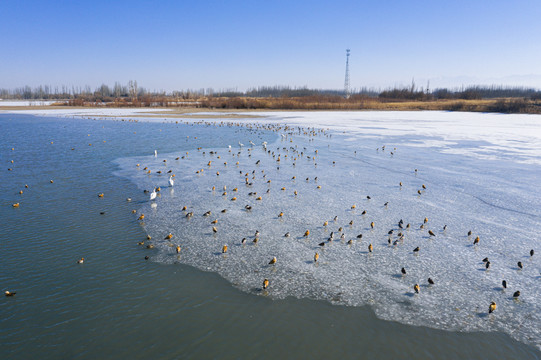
347	90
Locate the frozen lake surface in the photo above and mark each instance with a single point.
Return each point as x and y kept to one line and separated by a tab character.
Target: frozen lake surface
459	172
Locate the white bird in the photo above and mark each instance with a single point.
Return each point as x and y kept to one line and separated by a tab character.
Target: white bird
155	153
171	181
153	194
252	143
229	146
241	144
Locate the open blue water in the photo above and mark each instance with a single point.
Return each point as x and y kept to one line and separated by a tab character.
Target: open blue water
116	304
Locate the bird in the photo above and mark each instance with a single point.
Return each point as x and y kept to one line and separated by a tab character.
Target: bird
431	233
359	236
371	224
287	234
370	248
416	288
476	241
224	249
208	213
487	265
306	233
243	241
469	233
265	283
155	153
10	293
273	261
485	259
519	264
416	249
516	294
430	281
531	252
171	181
281	214
178	249
321	244
492	307
100	195
504	284
214	229
169	236
16	205
81	260
316	257
153	194
403	271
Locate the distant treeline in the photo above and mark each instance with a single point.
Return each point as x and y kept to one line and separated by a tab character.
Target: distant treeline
131	92
474	98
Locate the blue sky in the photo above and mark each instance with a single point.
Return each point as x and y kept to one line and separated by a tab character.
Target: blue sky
242	44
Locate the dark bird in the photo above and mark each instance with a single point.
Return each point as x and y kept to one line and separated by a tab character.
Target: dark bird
430	281
485	259
370	248
476	241
416	288
10	293
504	284
516	294
359	236
368	197
469	233
287	234
273	261
403	271
350	242
416	249
519	264
531	252
322	243
431	233
487	265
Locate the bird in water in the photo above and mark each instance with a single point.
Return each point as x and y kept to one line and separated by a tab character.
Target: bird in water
81	260
141	217
155	153
153	194
492	307
10	293
273	261
224	249
171	181
169	236
416	288
178	249
265	283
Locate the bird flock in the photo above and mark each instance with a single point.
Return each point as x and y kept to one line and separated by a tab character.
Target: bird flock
299	207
